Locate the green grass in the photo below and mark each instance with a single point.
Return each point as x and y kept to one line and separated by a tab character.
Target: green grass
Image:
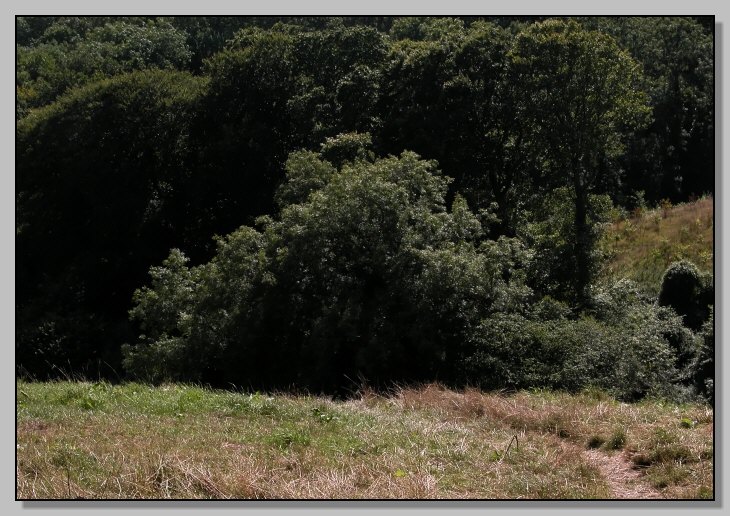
642	247
131	441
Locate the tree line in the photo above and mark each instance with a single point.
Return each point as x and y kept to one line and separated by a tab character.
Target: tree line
401	199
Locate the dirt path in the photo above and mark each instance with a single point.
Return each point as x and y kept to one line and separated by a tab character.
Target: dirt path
624	481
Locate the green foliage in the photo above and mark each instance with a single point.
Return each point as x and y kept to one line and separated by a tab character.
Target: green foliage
578	99
290	437
368	275
380	268
686	291
325	81
110	160
304	174
549	231
347	147
426	28
576	82
622	347
686	423
459	73
680	282
702	368
651	347
186	311
68	57
676	57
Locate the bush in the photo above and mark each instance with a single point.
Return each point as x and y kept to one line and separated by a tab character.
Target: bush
621	347
364	273
187	312
620	301
688	292
506	352
651	344
702	368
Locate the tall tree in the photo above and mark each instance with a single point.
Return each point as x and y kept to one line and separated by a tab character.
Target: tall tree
102	185
578	100
674	156
446	96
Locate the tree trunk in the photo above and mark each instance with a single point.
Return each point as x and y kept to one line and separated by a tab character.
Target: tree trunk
582	240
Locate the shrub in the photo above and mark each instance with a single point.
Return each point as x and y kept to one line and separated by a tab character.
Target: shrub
506	353
687	291
702	368
647	340
623	346
364	273
187	312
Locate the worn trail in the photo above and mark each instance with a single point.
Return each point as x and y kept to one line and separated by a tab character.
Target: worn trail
624	481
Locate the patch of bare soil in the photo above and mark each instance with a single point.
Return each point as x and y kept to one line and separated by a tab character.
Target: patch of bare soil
625	482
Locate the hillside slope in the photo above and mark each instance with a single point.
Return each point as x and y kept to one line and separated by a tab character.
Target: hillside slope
643	246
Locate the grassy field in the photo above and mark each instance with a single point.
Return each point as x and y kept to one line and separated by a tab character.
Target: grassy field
643	246
95	440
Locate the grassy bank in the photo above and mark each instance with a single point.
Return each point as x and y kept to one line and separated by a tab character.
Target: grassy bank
84	440
643	246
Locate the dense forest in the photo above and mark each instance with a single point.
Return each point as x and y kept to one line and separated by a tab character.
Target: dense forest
317	203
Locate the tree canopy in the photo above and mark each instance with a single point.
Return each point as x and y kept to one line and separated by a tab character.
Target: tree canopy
579	97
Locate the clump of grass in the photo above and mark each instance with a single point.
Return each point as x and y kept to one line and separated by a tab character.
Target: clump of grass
595	441
617	440
255	404
662	437
672	453
666	475
557	423
286	438
641	460
667	454
703	492
686	423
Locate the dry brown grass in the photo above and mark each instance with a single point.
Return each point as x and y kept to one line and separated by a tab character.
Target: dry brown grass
419	443
642	247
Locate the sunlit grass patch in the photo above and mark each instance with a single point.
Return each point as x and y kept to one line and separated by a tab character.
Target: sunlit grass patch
178	441
642	247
